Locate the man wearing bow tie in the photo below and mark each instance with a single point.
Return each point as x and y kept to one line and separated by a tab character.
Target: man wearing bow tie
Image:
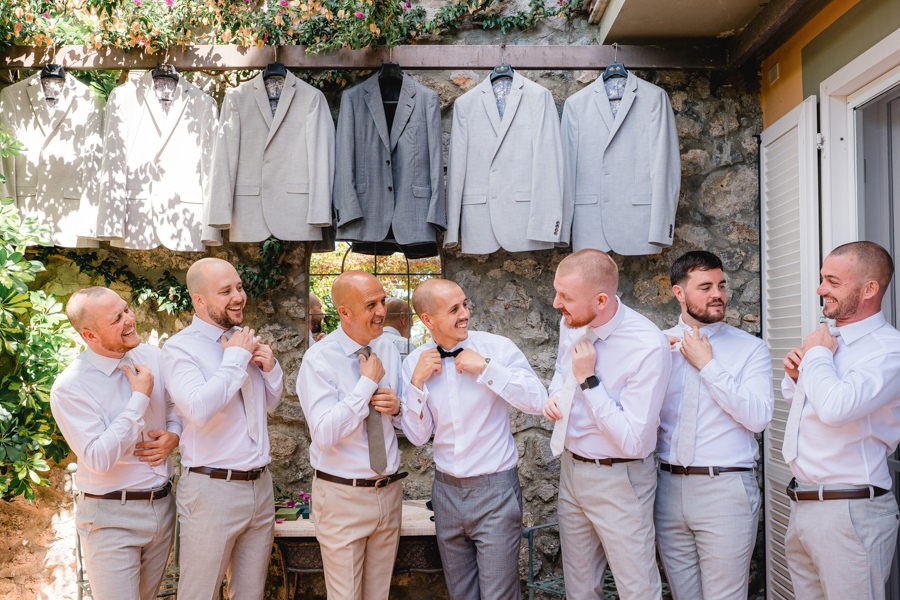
112	408
843	385
223	381
719	396
612	368
347	386
458	387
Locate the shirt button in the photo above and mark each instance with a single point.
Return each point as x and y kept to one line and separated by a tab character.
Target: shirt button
490	382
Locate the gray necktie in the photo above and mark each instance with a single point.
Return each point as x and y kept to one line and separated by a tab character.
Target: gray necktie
374	430
687	420
564	402
248	397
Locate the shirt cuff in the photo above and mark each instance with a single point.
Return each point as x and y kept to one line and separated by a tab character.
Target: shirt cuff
495	376
712	370
416	399
138	402
274	375
235	355
175	428
813	354
363	390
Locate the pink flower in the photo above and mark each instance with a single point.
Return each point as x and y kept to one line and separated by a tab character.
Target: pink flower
46	15
408	5
358	14
137	2
284	2
289	504
170	2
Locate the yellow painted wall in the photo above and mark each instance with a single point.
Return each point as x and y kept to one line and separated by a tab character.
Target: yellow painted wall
787	92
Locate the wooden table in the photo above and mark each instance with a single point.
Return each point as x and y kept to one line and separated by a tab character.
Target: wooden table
300	552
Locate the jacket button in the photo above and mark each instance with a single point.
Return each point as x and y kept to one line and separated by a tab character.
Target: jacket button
387	162
390	189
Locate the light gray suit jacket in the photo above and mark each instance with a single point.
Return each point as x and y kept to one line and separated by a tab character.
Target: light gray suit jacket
389	179
623	174
272	174
504	186
156	167
54	178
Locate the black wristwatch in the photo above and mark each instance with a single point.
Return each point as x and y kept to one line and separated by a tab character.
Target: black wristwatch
590	382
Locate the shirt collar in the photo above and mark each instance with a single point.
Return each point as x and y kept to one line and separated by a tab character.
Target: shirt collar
348	346
105	364
854	331
389	329
709	330
207	330
604	331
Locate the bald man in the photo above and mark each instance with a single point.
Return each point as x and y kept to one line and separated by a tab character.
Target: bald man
223	381
347	387
112	408
459	387
314	316
843	385
398	322
612	369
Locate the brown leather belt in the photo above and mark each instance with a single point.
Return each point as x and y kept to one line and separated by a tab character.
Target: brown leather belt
708	471
603	461
125	495
376	483
860	493
229	474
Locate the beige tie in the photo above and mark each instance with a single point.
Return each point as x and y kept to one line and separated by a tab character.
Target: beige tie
687	420
564	402
248	397
792	427
374	430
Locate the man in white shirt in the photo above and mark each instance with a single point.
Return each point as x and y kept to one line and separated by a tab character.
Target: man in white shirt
612	368
843	385
459	387
112	408
347	387
314	316
719	396
223	381
398	325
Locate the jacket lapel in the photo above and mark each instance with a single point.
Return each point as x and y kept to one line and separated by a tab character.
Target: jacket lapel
262	99
176	109
405	105
284	103
149	99
509	113
39	105
489	103
624	106
63	106
372	96
603	106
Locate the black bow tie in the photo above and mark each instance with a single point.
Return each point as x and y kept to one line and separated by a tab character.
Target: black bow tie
448	353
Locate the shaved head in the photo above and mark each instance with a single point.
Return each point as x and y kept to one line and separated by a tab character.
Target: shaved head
347	284
359	298
595	268
873	262
427	292
78	308
204	271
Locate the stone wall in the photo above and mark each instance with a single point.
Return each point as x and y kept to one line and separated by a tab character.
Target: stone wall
718	117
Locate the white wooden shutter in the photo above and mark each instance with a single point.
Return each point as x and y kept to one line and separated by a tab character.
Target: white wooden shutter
789	214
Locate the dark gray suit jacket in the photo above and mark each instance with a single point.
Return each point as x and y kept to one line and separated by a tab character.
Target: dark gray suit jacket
389	179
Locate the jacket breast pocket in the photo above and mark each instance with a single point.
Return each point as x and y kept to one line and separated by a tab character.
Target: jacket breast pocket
246	189
421	191
297	188
587	199
523	196
638	199
474	199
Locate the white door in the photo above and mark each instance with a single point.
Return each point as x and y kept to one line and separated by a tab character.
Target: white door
789	214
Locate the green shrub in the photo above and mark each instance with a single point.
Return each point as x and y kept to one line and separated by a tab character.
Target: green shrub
36	342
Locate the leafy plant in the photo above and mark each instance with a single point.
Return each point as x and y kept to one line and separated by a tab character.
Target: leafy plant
36	342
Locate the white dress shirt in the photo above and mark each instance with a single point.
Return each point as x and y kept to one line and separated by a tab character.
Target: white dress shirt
468	414
102	420
619	417
736	398
205	383
851	418
403	345
335	402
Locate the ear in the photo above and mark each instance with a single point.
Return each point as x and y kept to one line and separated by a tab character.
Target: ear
197	299
678	291
870	289
344	312
88	335
425	318
602	300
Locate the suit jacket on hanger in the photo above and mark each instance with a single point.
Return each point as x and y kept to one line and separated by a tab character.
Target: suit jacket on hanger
504	187
54	178
623	173
389	179
272	174
156	167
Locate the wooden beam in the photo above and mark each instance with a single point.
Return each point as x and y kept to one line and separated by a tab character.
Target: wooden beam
433	57
772	27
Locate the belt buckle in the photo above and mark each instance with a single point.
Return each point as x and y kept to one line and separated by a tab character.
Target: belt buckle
382	481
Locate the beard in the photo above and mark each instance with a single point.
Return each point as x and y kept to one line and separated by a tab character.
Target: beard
225	319
703	314
315	327
843	309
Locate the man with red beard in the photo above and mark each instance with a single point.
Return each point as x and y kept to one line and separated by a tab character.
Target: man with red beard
112	408
843	385
459	388
347	387
612	368
719	396
223	381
